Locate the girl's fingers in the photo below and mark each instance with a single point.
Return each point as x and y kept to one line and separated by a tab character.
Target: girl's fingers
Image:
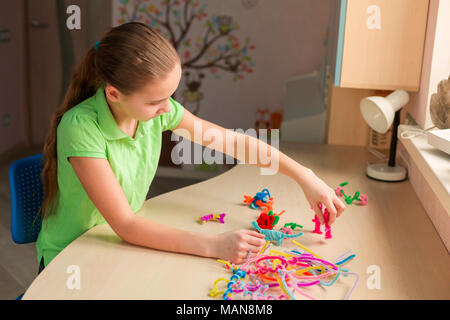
253	254
331	211
238	260
340	206
254	249
243	254
256	241
249	253
254	233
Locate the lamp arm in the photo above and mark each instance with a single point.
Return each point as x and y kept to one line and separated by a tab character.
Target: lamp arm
393	148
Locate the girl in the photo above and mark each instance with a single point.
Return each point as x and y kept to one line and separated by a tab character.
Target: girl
104	144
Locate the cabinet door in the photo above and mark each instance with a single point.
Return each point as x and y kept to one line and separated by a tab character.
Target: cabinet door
383	44
45	66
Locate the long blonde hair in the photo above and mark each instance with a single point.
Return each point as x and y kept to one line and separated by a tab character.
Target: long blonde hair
127	57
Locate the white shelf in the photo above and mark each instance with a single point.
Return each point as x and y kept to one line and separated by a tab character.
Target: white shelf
432	162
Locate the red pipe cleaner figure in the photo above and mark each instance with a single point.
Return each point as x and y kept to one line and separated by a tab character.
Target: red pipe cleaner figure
316	221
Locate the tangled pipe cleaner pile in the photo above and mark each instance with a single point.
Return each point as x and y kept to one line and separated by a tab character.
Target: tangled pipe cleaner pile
291	271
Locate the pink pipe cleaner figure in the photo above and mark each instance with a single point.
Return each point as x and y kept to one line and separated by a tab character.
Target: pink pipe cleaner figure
316	224
316	221
326	216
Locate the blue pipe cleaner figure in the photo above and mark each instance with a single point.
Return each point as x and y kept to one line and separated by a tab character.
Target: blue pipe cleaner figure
274	235
263	196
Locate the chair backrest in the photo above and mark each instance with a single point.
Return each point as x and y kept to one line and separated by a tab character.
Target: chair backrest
26	198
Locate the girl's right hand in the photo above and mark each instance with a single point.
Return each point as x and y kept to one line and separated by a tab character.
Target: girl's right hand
234	246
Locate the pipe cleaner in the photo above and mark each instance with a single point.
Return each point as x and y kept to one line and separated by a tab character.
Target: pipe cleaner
214	291
362	198
273	235
212	217
237	275
290	271
326	217
261	199
267	220
292	225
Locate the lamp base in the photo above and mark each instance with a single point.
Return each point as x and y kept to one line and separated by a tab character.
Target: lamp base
383	172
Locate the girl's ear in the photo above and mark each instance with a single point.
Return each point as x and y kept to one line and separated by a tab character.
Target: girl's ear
112	93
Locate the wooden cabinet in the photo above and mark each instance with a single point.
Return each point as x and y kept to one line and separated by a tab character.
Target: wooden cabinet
377	44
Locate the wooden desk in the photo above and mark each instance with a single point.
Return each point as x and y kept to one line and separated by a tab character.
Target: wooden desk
392	232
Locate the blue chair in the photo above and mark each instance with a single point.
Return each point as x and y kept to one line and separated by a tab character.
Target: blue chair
26	198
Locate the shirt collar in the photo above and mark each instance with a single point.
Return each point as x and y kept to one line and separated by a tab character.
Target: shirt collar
107	122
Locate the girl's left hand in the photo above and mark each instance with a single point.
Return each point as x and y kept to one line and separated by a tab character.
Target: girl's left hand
316	192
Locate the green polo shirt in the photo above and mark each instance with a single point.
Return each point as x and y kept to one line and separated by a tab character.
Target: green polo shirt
90	130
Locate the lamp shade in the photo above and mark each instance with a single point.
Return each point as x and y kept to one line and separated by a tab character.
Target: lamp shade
379	112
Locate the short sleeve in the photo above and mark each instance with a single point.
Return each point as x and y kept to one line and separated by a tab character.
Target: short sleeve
171	119
80	136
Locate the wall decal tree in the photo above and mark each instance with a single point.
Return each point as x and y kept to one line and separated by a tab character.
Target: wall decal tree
217	49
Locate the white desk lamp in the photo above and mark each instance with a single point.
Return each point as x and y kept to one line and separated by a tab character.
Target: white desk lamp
379	113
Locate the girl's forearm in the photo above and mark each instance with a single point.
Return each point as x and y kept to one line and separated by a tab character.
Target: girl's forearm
292	168
144	232
242	147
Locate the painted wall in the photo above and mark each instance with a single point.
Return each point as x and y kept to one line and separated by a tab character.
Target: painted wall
288	37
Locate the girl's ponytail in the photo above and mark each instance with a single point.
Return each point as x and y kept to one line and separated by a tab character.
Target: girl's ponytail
84	84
